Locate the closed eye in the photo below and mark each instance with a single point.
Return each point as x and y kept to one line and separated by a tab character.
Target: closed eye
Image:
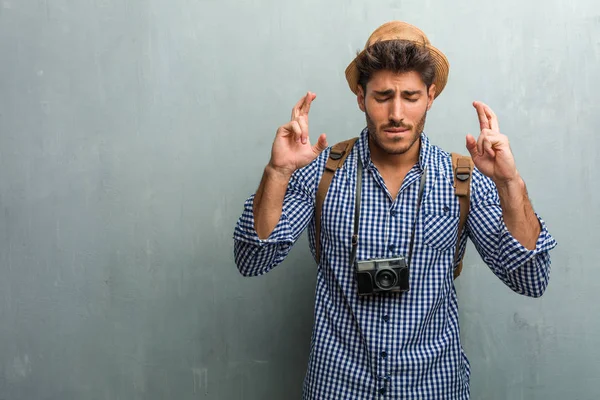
381	100
412	95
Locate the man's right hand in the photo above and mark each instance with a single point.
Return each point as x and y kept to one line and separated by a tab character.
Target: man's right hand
291	149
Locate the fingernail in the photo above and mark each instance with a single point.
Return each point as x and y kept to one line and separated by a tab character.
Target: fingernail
303	140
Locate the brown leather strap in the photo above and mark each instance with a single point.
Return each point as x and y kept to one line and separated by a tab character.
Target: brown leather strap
462	167
337	157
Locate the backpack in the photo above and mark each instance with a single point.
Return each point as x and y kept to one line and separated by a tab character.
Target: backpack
462	166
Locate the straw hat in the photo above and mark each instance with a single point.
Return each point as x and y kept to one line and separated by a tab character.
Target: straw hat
398	30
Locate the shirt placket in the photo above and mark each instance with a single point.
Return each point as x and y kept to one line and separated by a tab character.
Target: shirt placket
386	349
399	219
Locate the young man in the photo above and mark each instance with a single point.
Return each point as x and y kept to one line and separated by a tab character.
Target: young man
369	341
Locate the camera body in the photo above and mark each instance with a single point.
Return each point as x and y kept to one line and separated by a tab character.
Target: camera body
382	275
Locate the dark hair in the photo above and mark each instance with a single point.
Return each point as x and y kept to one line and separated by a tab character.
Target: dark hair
397	56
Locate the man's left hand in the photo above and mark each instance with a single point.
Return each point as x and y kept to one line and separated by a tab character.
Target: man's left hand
491	152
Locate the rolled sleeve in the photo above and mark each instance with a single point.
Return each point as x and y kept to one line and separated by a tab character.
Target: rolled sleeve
525	271
515	254
253	255
246	232
256	256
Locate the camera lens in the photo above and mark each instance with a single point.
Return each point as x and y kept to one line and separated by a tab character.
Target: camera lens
385	279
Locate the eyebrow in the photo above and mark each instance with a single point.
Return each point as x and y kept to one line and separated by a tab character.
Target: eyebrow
390	92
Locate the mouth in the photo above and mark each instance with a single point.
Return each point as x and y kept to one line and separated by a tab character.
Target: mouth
394	131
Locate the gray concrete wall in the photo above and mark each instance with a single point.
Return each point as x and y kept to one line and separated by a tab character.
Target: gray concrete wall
132	131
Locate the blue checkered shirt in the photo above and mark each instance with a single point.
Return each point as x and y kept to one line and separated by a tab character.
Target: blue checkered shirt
395	345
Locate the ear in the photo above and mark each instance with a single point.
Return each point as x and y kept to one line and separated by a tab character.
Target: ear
430	96
360	98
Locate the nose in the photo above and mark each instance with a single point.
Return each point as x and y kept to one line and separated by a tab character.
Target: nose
396	111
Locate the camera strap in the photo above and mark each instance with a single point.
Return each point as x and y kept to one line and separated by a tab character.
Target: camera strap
412	237
358	194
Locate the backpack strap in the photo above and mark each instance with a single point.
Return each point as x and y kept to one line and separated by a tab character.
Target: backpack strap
462	167
337	157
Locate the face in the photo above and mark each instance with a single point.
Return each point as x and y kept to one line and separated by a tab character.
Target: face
395	105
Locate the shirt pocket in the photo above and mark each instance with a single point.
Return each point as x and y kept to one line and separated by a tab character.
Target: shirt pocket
441	228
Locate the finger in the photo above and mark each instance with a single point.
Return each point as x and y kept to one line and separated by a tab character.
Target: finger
321	144
480	140
484	123
493	136
492	118
305	108
289	129
487	147
489	136
489	133
471	145
497	141
296	109
295	126
285	130
303	123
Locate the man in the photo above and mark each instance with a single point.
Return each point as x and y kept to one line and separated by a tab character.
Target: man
403	343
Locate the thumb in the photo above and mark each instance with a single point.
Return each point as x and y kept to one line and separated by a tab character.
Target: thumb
321	144
472	145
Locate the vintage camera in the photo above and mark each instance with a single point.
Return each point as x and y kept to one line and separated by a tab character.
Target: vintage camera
382	275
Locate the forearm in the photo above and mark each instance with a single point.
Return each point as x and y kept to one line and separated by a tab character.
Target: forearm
518	214
285	209
268	201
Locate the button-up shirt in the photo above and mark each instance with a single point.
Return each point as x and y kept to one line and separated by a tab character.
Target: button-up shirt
392	345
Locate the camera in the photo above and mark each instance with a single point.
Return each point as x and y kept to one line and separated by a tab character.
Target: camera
382	275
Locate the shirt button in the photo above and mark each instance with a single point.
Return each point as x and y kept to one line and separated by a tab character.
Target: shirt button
382	391
392	247
386	318
394	213
446	209
383	354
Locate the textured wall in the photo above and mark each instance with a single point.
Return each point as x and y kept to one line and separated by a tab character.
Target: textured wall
132	131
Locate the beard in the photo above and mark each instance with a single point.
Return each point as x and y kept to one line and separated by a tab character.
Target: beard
396	145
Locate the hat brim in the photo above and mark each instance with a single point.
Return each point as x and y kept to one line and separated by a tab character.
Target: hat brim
441	66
